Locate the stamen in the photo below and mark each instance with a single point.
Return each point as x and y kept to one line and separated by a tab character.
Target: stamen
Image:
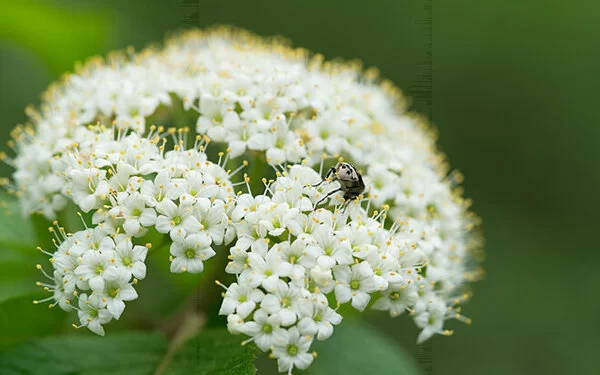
221	284
226	157
247	181
244	165
56	240
267	185
44	251
35	302
323	158
39	267
82	221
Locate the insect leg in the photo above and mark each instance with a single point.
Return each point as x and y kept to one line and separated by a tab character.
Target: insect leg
347	202
329	173
327	196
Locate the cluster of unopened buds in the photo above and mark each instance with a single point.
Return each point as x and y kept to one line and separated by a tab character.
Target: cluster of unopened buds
269	118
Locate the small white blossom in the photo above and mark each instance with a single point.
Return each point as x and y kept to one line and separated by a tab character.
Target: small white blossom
354	283
240	298
93	313
214	220
63	291
265	271
291	350
133	209
95	267
115	292
262	328
322	317
88	188
177	220
397	300
131	258
190	252
431	321
284	301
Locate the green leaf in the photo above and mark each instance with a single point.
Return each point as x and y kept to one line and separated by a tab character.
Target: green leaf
213	352
129	353
21	320
17	278
125	353
16	231
18	254
357	348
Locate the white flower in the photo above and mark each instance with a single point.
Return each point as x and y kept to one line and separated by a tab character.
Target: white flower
216	175
240	298
159	189
334	249
63	291
397	300
65	257
88	188
291	350
115	292
318	318
178	220
246	203
323	278
262	328
190	252
133	209
354	283
296	258
235	324
286	301
290	190
425	294
93	313
264	271
383	183
93	267
214	220
131	257
291	148
385	269
91	239
325	318
119	181
239	256
431	321
195	186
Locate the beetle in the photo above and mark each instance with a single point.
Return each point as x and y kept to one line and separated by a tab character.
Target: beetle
350	180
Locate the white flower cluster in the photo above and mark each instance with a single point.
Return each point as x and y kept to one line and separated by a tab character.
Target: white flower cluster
290	260
404	245
99	271
132	185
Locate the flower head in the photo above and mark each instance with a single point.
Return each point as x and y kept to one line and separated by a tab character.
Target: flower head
300	241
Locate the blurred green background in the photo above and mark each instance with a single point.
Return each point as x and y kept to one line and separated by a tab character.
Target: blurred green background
515	86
